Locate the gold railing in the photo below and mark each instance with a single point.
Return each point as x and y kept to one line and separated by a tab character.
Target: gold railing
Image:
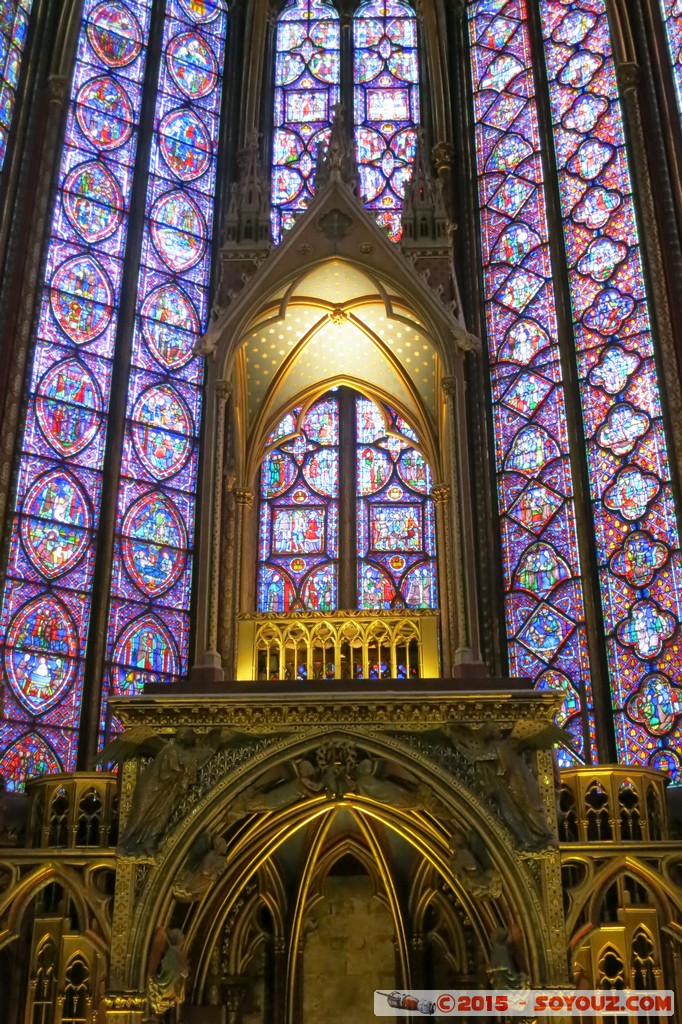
613	804
76	810
338	645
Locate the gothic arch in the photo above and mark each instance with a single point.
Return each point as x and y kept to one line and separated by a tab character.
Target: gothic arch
256	840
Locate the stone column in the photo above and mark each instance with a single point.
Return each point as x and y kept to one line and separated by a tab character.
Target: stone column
208	664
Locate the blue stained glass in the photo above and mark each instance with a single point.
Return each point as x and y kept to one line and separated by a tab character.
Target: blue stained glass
148	634
635	526
547	640
396	518
298	539
307	70
46	599
13	31
386	105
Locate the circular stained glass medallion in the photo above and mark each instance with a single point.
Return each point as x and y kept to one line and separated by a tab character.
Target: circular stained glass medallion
104	113
93	201
41	646
178	230
192	65
81	298
202	11
54	524
114	33
154	543
68	407
170	325
185	144
162	430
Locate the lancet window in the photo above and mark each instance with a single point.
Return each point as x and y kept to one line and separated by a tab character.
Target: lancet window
630	516
82	341
384	93
345	457
14	23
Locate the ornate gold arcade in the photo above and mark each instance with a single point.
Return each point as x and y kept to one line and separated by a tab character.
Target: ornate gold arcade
338	645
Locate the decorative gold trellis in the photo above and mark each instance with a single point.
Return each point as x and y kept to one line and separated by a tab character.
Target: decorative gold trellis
343	645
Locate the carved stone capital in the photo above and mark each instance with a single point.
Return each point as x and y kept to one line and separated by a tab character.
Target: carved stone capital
244	496
223	390
449	386
440	493
628	75
57	86
443	154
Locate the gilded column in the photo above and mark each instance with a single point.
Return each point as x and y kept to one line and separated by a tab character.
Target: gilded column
244	499
465	639
441	499
223	390
125	1007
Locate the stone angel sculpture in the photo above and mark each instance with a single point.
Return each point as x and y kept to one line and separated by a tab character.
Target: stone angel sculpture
506	777
505	969
174	765
205	863
166	988
307	781
471	864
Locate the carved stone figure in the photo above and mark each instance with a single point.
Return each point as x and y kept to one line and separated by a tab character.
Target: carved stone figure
507	780
365	781
162	782
468	859
307	782
167	987
206	862
503	969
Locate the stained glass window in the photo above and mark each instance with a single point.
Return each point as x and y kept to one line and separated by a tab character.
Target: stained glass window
46	600
386	105
635	528
299	547
307	70
395	514
671	12
302	476
542	579
149	617
14	15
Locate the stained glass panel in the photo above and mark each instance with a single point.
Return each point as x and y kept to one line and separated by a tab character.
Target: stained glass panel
386	105
14	15
543	589
46	600
395	514
299	487
307	70
152	567
635	526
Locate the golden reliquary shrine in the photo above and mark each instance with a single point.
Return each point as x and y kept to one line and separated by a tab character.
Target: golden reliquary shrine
340	492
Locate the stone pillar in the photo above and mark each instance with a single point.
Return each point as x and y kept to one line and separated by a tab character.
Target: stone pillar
208	663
